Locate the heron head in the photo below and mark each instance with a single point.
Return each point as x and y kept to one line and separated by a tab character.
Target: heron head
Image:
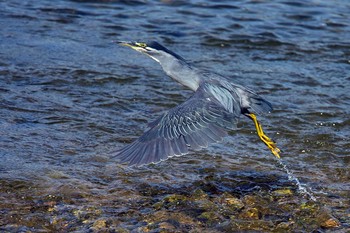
153	49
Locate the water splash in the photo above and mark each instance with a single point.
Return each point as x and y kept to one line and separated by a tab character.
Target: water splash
301	188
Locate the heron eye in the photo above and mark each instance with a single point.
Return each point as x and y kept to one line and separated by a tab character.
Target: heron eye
143	45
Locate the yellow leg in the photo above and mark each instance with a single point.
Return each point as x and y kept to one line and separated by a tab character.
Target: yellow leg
268	142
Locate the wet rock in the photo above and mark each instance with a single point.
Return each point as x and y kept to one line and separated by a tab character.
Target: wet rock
99	224
327	220
87	214
199	194
206	205
250	213
284	226
78	213
172	200
121	230
158	205
330	223
57	175
229	201
58	223
210	217
288	205
311	215
282	192
235	202
164	216
237	225
255	200
175	198
166	226
143	229
309	206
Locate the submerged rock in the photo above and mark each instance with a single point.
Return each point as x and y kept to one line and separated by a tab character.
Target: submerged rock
210	217
237	225
250	213
282	192
199	194
229	201
99	224
330	223
159	217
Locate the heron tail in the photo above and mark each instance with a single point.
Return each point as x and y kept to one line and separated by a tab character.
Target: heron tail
252	102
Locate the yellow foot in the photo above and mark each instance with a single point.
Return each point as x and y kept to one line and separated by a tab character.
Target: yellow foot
268	142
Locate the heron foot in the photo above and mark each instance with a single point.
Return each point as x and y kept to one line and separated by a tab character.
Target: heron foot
263	137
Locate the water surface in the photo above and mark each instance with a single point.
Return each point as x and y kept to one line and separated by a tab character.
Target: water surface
70	98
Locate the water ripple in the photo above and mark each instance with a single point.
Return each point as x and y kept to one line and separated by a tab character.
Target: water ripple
70	98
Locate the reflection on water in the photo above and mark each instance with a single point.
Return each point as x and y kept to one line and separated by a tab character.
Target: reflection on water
69	98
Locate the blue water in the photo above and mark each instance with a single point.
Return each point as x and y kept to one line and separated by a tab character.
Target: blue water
70	98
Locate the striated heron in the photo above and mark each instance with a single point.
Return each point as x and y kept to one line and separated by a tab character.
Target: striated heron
204	118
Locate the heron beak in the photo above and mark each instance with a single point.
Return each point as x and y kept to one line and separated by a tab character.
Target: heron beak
134	45
125	43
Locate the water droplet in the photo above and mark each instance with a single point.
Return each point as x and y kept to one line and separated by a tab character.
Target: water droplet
301	188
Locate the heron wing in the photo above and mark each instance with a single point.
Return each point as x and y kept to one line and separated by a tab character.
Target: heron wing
193	124
251	101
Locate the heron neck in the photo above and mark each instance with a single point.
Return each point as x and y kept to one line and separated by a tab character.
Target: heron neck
182	72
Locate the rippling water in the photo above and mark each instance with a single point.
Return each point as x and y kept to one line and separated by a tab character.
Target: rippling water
70	97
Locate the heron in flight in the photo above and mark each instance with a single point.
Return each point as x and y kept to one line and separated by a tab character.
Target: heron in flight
204	118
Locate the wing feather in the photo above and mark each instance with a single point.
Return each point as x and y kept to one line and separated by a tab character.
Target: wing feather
175	147
182	144
194	123
191	141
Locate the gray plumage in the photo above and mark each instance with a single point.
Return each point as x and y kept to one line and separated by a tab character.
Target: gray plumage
204	118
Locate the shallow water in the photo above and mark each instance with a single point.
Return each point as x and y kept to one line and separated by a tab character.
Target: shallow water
69	98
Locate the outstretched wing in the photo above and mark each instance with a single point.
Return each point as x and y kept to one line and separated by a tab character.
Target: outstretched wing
193	124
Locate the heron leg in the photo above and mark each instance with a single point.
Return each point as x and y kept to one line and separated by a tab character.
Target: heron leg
263	137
